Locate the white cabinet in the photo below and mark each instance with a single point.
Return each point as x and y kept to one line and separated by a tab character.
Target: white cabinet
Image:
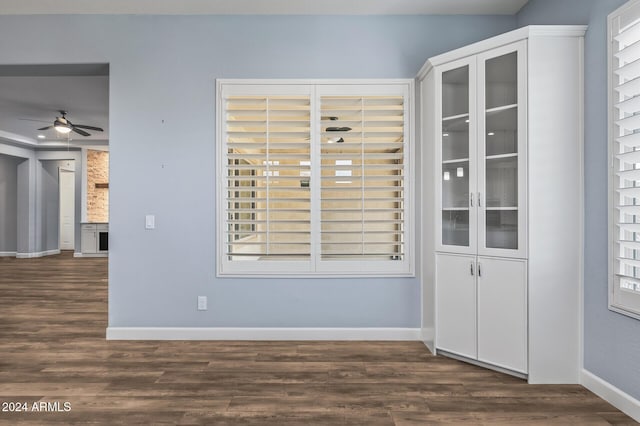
95	238
501	127
456	316
482	309
89	239
502	312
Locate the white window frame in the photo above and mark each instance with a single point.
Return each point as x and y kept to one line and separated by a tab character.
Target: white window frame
316	267
625	304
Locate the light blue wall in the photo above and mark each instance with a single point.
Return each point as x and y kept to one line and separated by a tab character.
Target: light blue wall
37	195
164	68
9	203
611	341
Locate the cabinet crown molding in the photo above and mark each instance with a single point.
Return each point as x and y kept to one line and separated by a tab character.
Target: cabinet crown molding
503	39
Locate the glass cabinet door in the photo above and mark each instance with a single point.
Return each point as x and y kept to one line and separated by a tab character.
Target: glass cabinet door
501	152
456	158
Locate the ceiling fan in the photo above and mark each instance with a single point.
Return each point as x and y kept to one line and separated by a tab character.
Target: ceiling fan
63	125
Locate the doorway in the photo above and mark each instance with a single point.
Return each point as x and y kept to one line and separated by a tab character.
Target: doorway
66	179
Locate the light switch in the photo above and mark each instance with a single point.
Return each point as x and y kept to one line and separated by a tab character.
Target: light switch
149	221
202	303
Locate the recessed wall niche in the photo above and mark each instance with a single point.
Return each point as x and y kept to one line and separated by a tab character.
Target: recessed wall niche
97	186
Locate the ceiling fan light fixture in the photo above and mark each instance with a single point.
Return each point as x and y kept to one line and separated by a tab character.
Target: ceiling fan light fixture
61	127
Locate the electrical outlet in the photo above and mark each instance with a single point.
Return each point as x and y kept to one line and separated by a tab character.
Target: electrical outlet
202	303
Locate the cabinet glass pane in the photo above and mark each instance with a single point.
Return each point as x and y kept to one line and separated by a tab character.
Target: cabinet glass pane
455	139
455	92
455	227
502	182
455	157
502	132
502	229
501	152
455	185
502	78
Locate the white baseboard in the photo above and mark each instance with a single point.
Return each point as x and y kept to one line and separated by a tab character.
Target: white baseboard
37	254
614	396
7	254
427	336
80	254
242	333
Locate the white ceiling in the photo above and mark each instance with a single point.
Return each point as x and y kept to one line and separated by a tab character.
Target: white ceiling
264	7
28	103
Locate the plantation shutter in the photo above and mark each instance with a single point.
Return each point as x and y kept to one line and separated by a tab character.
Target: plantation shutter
625	61
268	205
362	177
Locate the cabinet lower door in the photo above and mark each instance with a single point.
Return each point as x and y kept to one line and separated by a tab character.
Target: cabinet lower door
456	304
89	239
502	313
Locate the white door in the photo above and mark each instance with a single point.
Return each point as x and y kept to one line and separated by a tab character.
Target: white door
67	209
502	151
455	157
456	304
502	313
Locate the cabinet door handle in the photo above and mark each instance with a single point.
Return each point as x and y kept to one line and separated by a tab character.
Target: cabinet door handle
471	199
471	268
479	199
479	270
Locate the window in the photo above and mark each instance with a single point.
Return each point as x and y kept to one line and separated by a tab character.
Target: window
624	148
315	178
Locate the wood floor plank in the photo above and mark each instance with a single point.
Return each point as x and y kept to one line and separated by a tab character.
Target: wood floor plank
53	316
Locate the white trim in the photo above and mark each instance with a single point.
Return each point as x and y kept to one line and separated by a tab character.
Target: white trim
427	335
483	364
245	333
503	39
614	396
79	254
18	139
314	266
7	253
314	81
37	254
581	85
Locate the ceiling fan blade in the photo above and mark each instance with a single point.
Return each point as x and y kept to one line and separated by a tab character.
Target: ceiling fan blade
45	128
80	131
82	126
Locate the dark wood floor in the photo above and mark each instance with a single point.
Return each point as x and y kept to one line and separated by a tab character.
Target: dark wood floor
53	315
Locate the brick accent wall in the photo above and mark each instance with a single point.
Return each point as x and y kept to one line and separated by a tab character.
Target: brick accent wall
97	198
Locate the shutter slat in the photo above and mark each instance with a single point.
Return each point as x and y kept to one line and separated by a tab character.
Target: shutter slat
628	89
629	157
628	71
630	141
631	227
629	53
629	174
629	192
629	35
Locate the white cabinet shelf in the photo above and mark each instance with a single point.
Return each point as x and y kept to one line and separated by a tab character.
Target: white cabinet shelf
456	117
501	125
501	108
455	160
